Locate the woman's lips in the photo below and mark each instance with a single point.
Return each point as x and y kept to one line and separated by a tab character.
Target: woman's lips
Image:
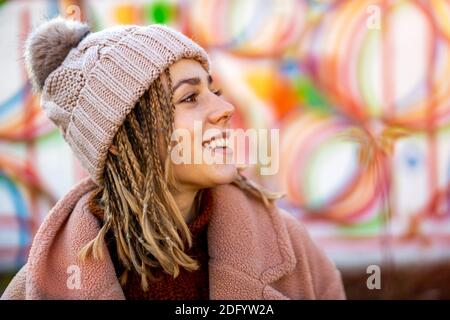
216	143
218	146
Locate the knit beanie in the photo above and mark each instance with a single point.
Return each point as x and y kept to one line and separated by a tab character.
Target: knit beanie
90	81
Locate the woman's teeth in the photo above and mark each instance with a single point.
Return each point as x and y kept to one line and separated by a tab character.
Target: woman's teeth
217	143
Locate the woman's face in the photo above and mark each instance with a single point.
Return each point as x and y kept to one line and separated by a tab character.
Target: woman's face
201	116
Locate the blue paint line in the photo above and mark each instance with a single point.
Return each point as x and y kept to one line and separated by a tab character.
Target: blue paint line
22	216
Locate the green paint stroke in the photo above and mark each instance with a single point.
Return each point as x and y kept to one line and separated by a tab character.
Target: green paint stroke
310	96
51	137
162	11
94	20
365	229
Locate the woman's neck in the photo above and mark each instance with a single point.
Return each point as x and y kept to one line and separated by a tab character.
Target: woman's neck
187	204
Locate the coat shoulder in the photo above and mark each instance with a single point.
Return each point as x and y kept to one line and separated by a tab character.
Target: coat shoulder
16	289
325	277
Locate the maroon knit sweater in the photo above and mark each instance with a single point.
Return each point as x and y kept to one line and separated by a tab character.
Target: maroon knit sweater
188	285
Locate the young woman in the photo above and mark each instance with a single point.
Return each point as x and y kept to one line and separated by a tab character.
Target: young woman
142	226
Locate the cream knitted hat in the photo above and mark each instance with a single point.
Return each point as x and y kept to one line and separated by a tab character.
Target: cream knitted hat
89	82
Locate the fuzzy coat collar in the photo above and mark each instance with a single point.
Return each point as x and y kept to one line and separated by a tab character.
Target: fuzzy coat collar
248	245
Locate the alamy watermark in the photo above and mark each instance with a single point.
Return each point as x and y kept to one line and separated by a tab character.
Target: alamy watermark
73	281
373	22
374	280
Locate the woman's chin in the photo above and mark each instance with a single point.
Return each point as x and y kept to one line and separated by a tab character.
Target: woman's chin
219	174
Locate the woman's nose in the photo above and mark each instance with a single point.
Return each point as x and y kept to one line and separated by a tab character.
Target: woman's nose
223	111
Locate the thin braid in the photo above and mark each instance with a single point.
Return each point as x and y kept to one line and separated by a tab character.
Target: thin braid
131	164
151	159
120	163
168	110
148	196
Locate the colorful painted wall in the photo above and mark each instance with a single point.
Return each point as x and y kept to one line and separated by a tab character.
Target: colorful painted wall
359	90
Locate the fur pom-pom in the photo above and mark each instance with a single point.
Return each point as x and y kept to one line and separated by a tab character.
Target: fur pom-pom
47	47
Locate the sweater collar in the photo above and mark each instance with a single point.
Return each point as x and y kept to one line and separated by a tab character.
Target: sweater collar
200	222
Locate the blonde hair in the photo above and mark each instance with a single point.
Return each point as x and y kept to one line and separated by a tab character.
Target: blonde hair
139	209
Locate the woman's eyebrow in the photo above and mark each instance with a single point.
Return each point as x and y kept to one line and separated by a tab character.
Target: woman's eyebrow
192	81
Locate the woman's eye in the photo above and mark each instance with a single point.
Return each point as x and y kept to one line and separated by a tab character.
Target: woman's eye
190	98
193	97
